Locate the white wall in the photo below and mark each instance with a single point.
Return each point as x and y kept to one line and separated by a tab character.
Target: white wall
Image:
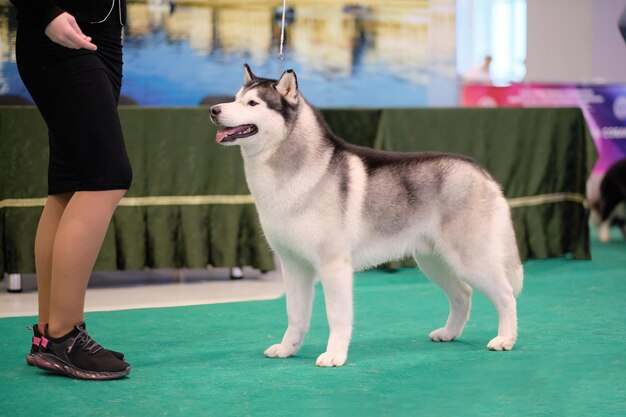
575	41
609	52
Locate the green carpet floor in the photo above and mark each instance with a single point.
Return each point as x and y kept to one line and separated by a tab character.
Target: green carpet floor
570	359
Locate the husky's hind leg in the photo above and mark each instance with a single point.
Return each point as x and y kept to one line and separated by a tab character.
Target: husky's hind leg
506	307
490	279
500	293
458	292
487	260
299	280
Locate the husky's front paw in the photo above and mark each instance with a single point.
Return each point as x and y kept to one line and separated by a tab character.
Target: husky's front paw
501	343
279	351
330	359
443	335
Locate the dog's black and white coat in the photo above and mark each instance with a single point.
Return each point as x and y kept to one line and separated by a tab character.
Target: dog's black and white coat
609	208
329	208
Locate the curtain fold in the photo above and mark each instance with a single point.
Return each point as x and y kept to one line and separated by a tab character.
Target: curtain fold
529	151
203	214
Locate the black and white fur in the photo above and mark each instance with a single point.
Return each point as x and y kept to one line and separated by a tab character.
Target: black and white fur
329	208
609	207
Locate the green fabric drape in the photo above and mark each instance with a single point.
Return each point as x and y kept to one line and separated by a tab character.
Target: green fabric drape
173	153
530	151
358	126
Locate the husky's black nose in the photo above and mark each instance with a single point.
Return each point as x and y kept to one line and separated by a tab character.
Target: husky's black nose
215	110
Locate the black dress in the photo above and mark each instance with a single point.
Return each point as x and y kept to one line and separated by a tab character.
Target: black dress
77	92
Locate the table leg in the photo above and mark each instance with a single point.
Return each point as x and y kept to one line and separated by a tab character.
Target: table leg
14	282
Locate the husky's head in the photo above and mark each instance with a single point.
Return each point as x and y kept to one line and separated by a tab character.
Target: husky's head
262	111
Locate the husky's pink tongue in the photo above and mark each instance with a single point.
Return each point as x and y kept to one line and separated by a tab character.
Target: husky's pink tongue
221	134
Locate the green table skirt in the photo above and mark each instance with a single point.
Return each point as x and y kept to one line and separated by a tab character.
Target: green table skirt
189	205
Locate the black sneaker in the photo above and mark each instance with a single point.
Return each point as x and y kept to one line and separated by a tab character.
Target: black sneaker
79	356
36	342
34	346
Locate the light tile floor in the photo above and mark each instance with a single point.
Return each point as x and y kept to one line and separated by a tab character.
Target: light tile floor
153	288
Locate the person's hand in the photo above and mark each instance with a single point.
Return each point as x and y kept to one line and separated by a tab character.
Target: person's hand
65	31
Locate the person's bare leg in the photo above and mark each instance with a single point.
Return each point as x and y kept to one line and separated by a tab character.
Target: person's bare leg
44	242
78	240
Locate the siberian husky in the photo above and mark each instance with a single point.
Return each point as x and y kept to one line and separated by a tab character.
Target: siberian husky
329	208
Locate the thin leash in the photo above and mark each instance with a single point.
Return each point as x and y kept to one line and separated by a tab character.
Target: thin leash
282	32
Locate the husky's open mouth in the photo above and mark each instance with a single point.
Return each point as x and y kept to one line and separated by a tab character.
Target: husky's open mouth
229	134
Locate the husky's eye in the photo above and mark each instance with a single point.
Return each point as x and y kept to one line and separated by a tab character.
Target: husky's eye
252	103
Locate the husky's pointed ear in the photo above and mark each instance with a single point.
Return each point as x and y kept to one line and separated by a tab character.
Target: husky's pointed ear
288	86
248	76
